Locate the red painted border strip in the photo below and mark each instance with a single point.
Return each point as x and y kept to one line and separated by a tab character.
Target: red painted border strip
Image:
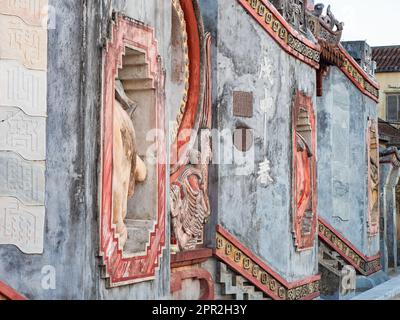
351	246
290	30
10	293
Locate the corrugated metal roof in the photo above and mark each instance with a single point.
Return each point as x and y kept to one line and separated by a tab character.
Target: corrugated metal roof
387	58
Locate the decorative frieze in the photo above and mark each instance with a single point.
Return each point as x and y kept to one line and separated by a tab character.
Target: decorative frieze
363	264
285	35
23	94
241	260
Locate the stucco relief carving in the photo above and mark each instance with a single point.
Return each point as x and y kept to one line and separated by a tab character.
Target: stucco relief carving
304	172
23	92
132	232
129	168
373	178
23	88
293	11
27	43
190	208
32	12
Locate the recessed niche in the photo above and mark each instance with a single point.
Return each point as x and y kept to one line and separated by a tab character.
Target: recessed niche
139	87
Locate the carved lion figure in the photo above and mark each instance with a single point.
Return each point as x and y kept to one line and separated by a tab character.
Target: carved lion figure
128	167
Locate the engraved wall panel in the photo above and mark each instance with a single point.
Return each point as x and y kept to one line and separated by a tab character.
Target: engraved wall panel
32	12
22	134
26	43
23	88
21	225
23	105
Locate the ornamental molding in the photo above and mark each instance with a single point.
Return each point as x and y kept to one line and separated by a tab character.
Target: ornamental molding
120	268
363	264
243	261
290	40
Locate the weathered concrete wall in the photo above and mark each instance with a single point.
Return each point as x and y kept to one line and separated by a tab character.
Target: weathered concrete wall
74	103
343	113
247	59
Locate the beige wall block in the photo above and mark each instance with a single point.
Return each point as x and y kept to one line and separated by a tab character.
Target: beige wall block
22	42
22	134
21	225
23	88
33	12
22	179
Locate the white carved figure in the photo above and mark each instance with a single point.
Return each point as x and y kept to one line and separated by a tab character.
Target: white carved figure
128	167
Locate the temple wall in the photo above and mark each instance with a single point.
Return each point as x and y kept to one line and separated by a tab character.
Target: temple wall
258	216
71	236
343	113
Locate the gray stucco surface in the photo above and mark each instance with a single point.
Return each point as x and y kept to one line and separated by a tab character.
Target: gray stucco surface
259	217
343	113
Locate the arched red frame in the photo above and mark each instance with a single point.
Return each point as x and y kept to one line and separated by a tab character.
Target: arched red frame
121	270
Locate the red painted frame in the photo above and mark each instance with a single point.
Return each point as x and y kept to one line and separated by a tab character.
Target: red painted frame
201	274
121	270
247	252
304	242
10	293
342	253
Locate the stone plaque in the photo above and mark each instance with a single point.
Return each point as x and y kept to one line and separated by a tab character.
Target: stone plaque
32	12
22	179
22	134
22	225
23	88
243	104
20	41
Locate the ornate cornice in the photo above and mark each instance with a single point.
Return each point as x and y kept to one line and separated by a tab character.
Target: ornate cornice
305	50
243	261
363	264
282	32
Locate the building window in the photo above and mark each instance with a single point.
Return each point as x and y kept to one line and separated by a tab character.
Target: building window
393	107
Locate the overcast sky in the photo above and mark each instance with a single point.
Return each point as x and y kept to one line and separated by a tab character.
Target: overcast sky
378	22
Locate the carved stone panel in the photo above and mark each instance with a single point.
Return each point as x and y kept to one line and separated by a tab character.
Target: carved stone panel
23	94
23	88
26	43
32	12
21	225
22	134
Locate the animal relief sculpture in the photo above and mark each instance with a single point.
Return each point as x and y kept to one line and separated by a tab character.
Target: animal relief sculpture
128	166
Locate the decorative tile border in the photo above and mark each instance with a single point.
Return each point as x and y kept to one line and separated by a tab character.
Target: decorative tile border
242	261
285	35
363	264
23	111
361	80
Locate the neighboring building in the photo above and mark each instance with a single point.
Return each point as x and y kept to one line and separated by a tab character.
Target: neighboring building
388	75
